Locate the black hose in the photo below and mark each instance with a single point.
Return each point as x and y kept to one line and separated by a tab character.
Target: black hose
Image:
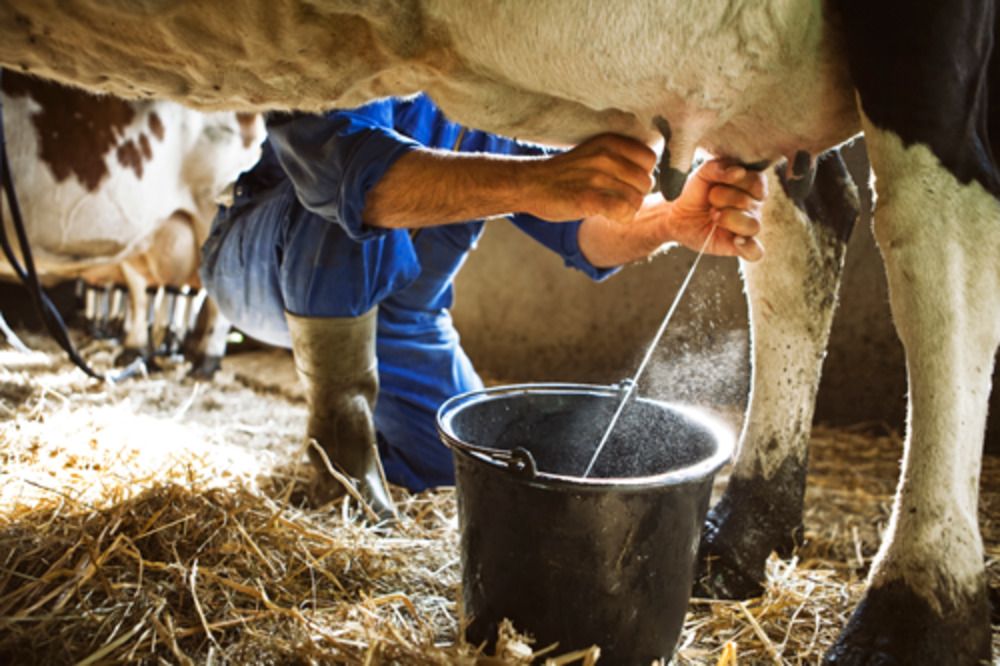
43	304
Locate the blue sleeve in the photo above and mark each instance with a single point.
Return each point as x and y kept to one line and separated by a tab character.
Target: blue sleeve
333	160
562	238
532	149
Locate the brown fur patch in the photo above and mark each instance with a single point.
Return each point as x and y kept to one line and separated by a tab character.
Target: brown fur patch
156	126
61	144
145	147
130	157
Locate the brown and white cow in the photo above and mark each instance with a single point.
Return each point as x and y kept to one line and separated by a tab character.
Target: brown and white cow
754	81
123	192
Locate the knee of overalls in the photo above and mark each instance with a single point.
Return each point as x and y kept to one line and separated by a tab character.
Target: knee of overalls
326	273
270	255
239	268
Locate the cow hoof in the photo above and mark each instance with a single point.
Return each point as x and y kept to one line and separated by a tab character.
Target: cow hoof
754	518
894	626
204	367
723	573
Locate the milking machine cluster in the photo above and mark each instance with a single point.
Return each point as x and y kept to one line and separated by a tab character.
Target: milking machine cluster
171	314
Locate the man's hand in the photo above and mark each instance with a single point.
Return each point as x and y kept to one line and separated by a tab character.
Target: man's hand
724	195
607	175
718	194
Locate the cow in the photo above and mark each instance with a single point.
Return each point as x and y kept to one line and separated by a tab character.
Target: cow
769	84
124	192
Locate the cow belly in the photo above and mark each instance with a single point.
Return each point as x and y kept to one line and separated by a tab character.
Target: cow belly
741	73
737	74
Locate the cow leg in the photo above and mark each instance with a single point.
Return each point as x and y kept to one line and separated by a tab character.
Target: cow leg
792	294
94	310
136	341
116	311
206	344
926	601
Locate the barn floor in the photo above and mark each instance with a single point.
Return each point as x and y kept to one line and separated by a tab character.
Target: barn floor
161	521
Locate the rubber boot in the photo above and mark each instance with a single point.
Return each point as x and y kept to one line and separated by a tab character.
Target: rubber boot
335	360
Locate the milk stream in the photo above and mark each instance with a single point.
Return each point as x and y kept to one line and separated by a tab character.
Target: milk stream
629	385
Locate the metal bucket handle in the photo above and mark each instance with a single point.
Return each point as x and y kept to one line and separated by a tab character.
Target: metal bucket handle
519	460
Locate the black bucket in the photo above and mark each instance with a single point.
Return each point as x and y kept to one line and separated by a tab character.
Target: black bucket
606	560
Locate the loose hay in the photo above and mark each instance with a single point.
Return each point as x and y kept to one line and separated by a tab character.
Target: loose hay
225	574
158	523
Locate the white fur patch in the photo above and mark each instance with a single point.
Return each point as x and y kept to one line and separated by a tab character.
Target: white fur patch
747	79
792	297
940	241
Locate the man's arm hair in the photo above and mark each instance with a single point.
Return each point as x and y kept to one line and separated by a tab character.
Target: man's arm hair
428	187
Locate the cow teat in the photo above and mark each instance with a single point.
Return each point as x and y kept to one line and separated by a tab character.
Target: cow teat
669	180
798	176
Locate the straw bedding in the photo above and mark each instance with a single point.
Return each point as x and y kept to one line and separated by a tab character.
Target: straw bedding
164	522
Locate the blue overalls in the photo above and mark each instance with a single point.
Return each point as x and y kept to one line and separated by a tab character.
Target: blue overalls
294	239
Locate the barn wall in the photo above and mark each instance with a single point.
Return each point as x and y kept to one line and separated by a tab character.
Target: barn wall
524	317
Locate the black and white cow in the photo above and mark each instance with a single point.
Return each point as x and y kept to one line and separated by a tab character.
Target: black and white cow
760	82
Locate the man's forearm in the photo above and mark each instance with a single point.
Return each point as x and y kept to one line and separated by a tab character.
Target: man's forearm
429	187
605	175
608	243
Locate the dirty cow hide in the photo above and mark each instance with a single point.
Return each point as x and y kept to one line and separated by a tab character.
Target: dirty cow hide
123	192
760	82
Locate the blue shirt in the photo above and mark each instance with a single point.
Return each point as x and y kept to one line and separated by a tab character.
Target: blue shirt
295	240
334	160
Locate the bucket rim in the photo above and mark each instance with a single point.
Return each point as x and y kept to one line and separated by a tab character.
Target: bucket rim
721	433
